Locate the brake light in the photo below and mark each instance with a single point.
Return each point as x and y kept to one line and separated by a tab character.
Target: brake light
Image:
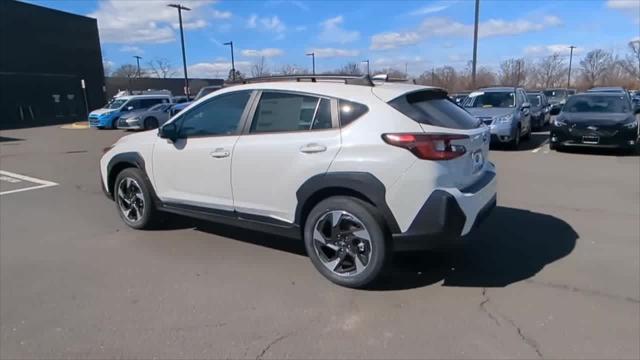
428	146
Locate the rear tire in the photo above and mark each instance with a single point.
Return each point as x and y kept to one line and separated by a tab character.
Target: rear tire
346	241
132	193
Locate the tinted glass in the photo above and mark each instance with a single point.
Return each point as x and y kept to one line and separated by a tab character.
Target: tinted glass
350	111
147	103
490	99
159	107
218	116
278	112
535	100
204	92
601	104
135	104
555	93
437	110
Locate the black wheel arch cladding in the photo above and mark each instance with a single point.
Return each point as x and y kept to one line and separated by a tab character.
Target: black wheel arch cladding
120	162
360	184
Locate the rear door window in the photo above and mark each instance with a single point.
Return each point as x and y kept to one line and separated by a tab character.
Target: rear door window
434	108
284	112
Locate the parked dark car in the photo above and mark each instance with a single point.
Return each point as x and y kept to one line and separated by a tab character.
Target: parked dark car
557	98
596	119
540	109
459	97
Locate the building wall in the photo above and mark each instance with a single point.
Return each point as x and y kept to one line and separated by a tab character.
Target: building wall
44	55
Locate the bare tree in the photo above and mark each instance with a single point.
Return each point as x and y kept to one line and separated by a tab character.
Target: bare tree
289	69
631	63
238	75
161	68
445	77
513	72
595	65
260	68
391	72
350	69
126	71
551	71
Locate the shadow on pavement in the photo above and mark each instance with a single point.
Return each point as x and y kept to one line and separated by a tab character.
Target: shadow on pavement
600	151
536	140
512	245
9	139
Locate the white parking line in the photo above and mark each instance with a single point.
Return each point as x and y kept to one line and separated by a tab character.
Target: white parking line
540	147
42	183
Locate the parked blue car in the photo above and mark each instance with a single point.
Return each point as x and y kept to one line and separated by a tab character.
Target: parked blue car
108	116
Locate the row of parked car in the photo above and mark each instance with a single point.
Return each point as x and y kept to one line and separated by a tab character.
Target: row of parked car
142	111
602	116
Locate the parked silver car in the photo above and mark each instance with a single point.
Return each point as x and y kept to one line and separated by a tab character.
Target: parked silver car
146	119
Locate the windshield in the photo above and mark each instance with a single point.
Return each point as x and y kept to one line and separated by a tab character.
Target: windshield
555	93
534	100
599	104
115	103
490	100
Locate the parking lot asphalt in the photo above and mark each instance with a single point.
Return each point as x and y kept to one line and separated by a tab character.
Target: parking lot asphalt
554	272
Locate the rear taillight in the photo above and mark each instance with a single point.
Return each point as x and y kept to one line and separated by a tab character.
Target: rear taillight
428	146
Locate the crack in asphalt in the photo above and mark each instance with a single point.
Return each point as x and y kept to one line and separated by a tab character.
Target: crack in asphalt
584	291
526	339
269	345
484	308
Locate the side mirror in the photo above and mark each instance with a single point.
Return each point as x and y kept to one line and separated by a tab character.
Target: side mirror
129	108
168	131
526	106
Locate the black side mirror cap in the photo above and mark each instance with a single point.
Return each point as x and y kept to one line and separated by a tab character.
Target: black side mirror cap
168	131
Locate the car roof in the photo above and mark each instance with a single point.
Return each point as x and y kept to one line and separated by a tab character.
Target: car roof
337	89
607	88
128	97
498	88
599	93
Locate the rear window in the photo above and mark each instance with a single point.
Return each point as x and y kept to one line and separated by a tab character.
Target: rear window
427	107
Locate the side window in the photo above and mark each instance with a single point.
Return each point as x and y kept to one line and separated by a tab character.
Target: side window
277	112
219	116
349	111
147	103
135	104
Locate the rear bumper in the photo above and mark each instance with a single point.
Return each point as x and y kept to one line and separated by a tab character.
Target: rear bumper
448	214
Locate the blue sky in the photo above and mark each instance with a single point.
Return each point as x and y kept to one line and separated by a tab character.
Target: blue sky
418	34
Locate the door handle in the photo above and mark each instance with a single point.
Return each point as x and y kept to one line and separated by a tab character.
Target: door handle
220	153
313	148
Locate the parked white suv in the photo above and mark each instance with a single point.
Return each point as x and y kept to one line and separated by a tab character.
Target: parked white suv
354	168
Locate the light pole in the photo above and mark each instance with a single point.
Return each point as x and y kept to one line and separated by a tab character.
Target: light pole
233	64
570	60
313	62
138	62
475	45
184	57
367	61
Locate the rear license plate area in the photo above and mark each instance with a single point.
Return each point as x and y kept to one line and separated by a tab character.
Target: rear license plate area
592	140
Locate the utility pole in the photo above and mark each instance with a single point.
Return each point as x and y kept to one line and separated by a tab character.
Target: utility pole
475	45
313	62
138	62
570	60
406	72
367	61
184	57
433	76
233	63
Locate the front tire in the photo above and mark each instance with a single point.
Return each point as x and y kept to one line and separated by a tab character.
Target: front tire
132	195
515	143
346	241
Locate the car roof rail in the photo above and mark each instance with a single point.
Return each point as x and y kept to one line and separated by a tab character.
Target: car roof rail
347	79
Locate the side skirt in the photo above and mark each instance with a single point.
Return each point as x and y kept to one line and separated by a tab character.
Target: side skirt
248	221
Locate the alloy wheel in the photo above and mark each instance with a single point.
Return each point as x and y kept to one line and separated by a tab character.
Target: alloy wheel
342	243
131	199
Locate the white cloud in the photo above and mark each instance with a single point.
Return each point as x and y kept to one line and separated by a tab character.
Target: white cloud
623	4
268	52
271	24
333	32
637	38
445	27
218	69
333	52
193	25
217	14
546	50
301	28
433	8
137	21
132	49
392	40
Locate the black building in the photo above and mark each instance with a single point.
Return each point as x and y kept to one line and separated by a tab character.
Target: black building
45	57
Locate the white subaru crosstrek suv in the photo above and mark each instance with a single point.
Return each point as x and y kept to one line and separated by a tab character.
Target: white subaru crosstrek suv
355	168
